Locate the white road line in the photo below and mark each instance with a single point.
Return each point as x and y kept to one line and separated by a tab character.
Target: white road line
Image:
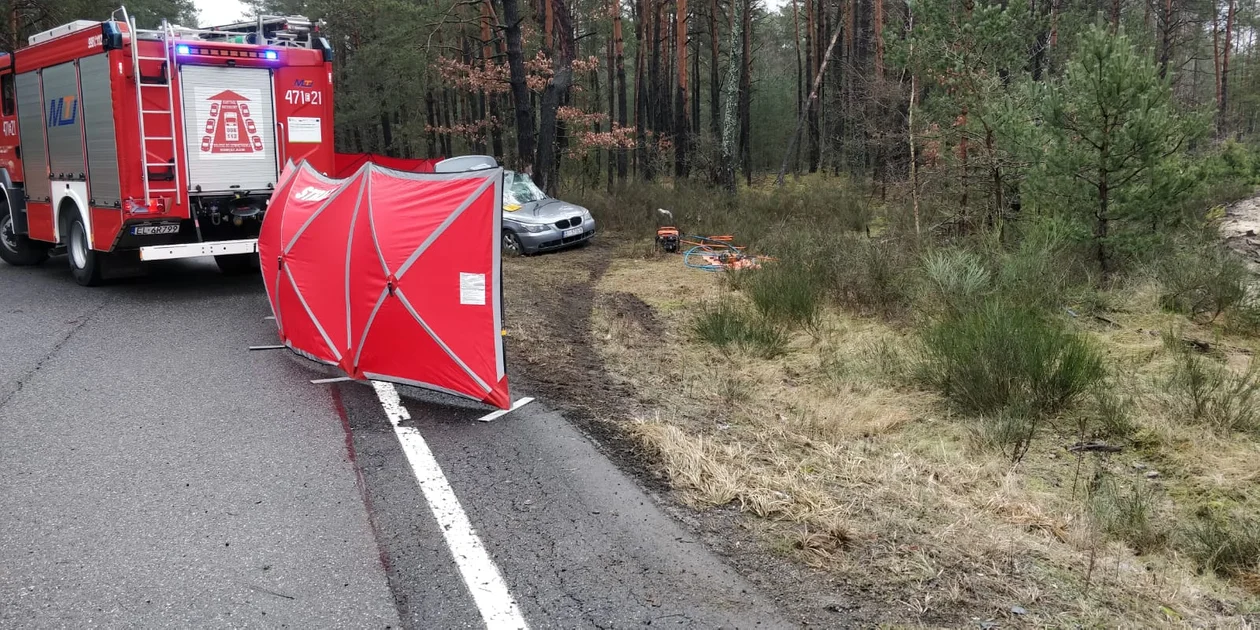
498	608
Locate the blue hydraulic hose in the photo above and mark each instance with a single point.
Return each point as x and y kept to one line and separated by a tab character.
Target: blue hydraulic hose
703	250
717	248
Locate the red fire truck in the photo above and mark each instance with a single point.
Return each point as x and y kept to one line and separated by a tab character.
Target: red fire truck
121	143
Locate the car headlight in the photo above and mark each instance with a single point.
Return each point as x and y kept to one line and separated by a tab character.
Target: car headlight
533	228
586	215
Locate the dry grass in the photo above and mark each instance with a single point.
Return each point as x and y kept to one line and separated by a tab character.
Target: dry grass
868	478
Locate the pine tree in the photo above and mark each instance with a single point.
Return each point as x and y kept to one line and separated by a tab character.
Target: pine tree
1113	136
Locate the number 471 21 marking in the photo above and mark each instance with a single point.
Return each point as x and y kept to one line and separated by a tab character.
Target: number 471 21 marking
303	97
10	128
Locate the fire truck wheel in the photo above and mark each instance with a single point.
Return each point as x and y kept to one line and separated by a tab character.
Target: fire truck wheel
85	264
16	249
238	264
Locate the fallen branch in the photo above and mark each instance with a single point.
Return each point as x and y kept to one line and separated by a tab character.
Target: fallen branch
1094	447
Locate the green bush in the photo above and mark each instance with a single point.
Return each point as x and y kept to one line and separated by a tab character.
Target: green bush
1224	546
1244	318
786	291
1114	413
1003	358
1047	265
1211	394
1123	511
870	275
1008	431
1202	281
722	325
954	280
726	327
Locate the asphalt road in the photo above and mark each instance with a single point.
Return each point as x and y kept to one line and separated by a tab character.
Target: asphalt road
154	473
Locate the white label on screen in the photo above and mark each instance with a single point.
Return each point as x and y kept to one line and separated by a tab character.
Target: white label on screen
304	129
472	289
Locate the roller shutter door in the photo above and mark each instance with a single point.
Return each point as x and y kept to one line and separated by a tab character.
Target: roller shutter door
229	127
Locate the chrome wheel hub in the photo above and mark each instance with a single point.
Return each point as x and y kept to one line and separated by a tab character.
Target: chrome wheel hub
78	246
7	236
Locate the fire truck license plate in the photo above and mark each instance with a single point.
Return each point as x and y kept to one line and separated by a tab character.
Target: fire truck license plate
154	230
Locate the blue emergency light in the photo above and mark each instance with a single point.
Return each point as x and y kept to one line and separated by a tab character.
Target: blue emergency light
181	49
270	54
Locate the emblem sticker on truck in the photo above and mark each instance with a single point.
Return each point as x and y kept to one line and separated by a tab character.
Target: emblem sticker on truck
229	130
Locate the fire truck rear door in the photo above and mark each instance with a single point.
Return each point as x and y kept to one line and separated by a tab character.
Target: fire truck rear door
229	128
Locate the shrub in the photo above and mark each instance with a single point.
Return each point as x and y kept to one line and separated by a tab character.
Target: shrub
1244	318
785	291
722	325
1046	265
1202	282
999	357
1213	395
1114	413
868	275
1009	431
1123	511
1225	546
727	326
954	280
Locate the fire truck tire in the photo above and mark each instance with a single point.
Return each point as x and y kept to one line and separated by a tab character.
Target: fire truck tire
85	263
238	264
17	249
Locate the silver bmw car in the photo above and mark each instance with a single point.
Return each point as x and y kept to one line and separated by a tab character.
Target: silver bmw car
532	221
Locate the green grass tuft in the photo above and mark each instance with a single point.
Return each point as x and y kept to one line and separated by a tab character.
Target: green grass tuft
1002	358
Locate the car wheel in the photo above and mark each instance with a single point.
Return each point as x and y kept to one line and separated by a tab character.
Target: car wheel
16	249
512	244
85	264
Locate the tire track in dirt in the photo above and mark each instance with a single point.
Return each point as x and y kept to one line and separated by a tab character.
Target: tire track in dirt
550	299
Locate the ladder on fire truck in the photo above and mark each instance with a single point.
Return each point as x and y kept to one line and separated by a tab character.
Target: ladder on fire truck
165	37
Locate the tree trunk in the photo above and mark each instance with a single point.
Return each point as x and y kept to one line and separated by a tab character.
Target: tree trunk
730	99
1165	47
878	27
745	95
963	151
1229	33
448	114
715	113
1216	54
546	166
914	167
640	89
548	20
910	125
522	104
693	36
813	96
800	84
682	124
620	54
1115	16
430	108
813	151
1101	227
612	107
